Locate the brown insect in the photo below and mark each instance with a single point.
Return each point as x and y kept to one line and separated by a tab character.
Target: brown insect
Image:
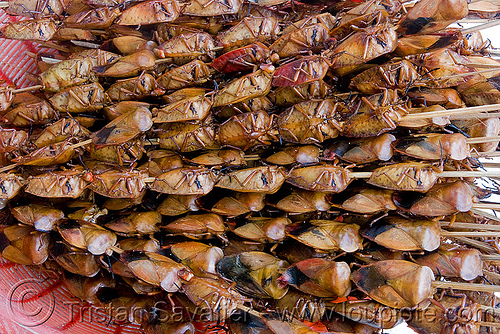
137	223
5	95
184	137
303	201
375	115
239	204
79	99
83	235
399	75
68	73
22	244
407	176
30	30
369	201
430	16
247	130
185	181
310	276
364	45
327	235
262	229
250	86
175	205
405	235
128	66
249	30
301	71
325	178
195	108
212	7
311	122
76	261
150	12
264	179
115	183
131	44
59	131
301	41
124	127
193	73
395	283
199	257
187	47
37	8
290	95
360	151
255	274
454	262
139	87
157	269
52	154
197	227
125	154
307	154
34	112
98	18
65	183
98	57
42	218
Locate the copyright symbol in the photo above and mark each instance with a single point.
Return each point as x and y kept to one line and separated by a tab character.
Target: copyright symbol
30	304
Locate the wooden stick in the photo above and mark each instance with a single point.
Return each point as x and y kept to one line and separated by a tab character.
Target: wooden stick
487	205
470	226
450	112
479	140
476	116
455	173
459	75
486	154
27	89
479	65
477	244
485	215
472	234
466	286
486	25
489	257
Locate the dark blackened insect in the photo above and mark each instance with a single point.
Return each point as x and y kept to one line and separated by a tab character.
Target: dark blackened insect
254	273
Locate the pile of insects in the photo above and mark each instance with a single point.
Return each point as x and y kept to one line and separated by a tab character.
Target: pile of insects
291	166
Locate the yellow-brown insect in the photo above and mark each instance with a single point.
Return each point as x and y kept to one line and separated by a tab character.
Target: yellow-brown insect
185	181
211	7
66	183
249	30
247	130
149	12
193	73
408	176
115	183
30	30
326	178
311	122
42	218
195	108
250	86
264	179
78	99
98	18
184	137
134	88
187	47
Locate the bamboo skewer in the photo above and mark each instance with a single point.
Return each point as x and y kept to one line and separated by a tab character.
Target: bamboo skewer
477	244
451	112
465	286
472	234
483	26
471	226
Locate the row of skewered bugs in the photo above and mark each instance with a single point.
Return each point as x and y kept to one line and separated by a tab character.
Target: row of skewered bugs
143	248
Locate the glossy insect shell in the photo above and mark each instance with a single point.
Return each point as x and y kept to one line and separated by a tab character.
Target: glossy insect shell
319	277
185	181
326	178
264	179
463	263
395	283
410	176
405	235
